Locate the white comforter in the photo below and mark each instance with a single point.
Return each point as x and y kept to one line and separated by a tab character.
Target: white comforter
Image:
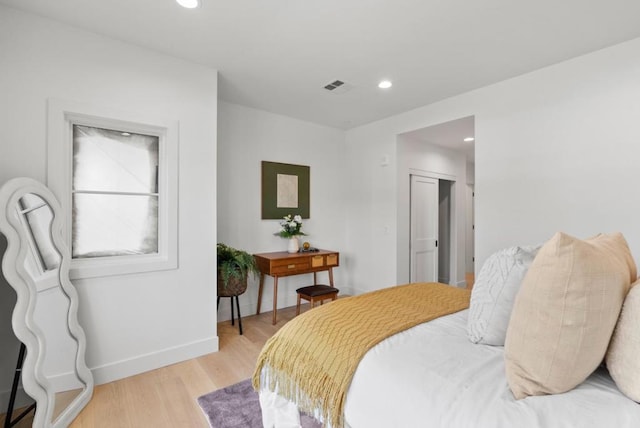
433	376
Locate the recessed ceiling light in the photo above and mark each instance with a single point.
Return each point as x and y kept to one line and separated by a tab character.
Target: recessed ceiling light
189	4
385	84
125	134
469	139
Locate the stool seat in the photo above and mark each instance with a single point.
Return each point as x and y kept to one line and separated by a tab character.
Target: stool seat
317	290
314	293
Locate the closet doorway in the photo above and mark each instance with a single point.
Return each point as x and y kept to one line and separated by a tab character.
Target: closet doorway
440	153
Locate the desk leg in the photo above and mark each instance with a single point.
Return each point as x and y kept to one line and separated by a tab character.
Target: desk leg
315	278
260	293
331	277
275	299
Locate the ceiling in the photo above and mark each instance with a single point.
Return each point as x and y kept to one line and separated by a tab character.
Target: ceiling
277	55
449	134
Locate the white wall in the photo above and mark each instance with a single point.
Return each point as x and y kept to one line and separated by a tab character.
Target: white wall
420	158
136	322
248	136
556	149
471	172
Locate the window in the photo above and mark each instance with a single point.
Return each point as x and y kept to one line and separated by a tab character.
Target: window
116	177
115	193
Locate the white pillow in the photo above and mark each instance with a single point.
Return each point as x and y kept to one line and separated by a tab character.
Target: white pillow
494	292
623	357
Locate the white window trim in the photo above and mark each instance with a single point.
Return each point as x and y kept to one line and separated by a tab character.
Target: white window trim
62	115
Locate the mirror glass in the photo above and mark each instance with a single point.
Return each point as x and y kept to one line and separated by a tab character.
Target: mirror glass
36	265
52	306
36	217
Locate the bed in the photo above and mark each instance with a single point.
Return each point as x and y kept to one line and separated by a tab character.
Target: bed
433	375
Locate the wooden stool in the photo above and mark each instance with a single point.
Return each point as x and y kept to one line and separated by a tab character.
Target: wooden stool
314	293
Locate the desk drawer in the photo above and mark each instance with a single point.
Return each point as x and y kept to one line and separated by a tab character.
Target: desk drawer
332	259
317	261
282	267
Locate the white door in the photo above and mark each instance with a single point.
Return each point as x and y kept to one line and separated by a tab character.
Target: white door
424	229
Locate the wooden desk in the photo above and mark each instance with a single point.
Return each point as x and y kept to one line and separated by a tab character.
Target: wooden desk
282	263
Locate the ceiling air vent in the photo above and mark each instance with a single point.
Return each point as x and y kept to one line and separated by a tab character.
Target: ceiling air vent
333	85
338	87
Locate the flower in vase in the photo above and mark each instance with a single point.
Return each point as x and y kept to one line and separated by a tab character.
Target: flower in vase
290	226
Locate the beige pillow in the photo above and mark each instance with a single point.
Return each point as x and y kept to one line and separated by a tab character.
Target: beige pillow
623	357
565	313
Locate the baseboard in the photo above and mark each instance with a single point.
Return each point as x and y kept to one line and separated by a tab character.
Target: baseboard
353	291
143	363
246	309
22	400
461	284
122	369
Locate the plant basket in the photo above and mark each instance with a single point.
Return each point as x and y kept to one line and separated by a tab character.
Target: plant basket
235	285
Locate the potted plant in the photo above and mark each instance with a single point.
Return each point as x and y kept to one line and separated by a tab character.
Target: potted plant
234	267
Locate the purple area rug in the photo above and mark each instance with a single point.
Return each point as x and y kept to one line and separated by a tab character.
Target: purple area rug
238	406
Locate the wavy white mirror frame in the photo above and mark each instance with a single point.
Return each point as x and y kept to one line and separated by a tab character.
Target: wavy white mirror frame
55	361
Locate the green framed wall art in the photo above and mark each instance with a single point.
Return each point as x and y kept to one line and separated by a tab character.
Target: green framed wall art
285	190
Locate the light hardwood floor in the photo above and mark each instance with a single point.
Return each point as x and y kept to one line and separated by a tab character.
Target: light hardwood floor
166	397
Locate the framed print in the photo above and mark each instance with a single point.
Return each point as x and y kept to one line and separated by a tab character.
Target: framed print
285	190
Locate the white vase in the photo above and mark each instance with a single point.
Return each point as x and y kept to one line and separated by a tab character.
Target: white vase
294	245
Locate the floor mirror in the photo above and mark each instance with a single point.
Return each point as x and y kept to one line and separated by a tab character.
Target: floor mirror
45	318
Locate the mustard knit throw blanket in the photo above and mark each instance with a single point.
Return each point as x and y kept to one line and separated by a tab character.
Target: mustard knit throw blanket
312	358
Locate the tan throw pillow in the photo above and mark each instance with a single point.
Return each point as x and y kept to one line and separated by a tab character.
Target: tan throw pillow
623	357
565	313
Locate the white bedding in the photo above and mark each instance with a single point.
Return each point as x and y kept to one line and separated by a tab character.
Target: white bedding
433	376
